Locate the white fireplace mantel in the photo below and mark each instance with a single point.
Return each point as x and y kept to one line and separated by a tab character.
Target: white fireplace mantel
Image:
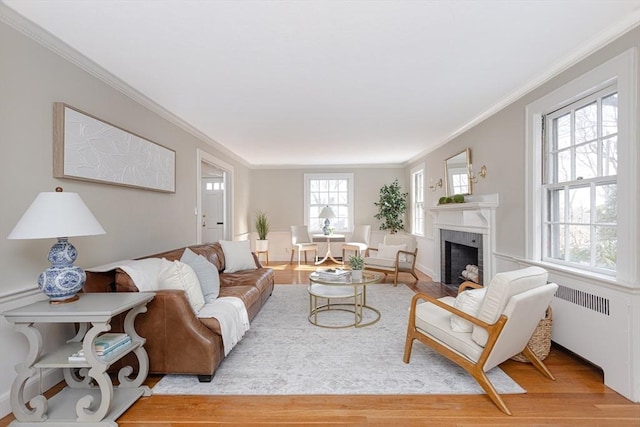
476	215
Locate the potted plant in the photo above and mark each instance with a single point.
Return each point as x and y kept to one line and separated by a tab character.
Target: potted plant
357	263
262	228
391	207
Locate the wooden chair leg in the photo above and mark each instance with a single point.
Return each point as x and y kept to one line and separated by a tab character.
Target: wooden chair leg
408	345
488	387
535	361
291	260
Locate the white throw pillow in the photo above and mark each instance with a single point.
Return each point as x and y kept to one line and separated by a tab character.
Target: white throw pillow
468	301
390	251
237	256
178	275
207	274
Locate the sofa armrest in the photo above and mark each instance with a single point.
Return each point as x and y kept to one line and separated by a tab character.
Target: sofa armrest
170	325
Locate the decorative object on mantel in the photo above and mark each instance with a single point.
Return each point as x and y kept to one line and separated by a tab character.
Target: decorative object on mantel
458	198
51	215
391	207
327	213
434	186
482	174
89	149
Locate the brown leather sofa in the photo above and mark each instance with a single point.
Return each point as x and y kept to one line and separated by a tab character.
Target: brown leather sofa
178	342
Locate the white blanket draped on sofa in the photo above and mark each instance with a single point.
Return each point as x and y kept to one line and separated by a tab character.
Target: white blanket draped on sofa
229	311
232	316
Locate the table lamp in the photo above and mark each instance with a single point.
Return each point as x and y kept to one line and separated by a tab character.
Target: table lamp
327	213
52	215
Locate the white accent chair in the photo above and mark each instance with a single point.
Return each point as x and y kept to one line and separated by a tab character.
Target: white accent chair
359	242
397	254
503	320
301	242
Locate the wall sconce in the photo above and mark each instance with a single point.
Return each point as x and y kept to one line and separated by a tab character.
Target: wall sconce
481	174
435	186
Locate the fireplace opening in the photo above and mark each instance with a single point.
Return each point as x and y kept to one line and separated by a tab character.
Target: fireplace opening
459	249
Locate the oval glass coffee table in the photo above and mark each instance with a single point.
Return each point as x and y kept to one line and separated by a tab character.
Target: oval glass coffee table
328	291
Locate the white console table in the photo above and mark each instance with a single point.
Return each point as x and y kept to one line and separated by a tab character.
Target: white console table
90	399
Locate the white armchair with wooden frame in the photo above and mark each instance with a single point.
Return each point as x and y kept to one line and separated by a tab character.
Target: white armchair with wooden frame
397	254
503	318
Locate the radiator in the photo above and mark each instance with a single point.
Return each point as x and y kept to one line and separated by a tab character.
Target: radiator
594	321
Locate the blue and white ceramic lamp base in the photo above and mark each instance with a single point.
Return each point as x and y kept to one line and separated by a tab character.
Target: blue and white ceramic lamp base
62	281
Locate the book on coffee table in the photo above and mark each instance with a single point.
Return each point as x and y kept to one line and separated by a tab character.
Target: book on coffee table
336	274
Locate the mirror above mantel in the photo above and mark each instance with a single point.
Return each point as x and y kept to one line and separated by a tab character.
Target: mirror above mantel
456	172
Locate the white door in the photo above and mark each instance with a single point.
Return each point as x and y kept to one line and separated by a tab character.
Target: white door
212	209
214	201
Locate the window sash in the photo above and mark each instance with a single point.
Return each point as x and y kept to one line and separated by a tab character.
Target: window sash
579	204
417	223
333	190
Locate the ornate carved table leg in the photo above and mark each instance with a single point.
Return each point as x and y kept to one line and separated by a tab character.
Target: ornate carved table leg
25	370
140	352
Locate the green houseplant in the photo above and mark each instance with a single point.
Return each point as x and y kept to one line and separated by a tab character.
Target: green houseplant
357	264
262	228
391	207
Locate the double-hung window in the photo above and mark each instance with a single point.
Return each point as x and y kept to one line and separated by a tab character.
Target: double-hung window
582	174
580	183
330	189
417	190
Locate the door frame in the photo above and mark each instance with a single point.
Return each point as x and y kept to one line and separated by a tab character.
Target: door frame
227	179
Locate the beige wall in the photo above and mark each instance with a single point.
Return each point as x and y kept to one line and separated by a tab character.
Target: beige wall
280	193
499	143
137	222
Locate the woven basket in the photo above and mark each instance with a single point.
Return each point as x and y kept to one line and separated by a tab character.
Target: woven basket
540	342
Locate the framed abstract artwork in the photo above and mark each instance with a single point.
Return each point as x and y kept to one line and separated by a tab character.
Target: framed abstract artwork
89	149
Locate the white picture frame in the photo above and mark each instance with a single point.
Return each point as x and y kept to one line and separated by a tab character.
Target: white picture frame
89	149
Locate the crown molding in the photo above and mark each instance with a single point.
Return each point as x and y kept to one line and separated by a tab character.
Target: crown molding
57	46
599	41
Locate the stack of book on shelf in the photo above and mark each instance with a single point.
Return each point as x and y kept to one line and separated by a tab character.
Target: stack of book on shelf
335	274
105	345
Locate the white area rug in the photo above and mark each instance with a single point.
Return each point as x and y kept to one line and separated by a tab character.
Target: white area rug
284	354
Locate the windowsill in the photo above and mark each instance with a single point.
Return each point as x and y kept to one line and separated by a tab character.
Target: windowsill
595	278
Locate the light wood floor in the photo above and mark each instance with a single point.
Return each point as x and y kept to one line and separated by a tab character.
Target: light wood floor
577	398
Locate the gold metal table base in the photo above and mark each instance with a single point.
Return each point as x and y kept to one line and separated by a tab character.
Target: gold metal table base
350	308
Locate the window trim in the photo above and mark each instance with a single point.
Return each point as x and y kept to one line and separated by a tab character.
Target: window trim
307	200
414	204
622	71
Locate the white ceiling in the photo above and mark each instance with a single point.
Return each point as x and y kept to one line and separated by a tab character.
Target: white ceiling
331	82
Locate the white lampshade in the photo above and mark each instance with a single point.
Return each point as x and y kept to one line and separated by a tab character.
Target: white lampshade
327	212
56	214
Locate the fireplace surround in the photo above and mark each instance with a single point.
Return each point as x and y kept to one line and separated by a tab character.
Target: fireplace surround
464	231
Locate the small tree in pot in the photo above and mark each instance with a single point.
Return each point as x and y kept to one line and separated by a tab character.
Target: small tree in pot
262	228
391	207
